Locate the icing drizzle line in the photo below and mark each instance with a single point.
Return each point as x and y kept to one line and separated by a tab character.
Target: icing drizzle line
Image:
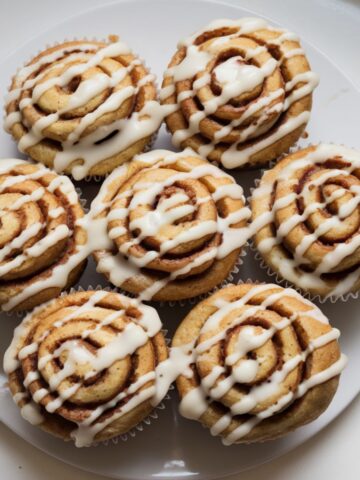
88	147
118	268
290	268
237	78
198	399
49	229
135	334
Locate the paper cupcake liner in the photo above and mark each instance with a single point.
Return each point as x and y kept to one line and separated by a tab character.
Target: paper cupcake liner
287	284
4	389
268	269
17	314
153	415
229	279
82	199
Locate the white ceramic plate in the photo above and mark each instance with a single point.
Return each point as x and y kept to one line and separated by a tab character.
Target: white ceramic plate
172	446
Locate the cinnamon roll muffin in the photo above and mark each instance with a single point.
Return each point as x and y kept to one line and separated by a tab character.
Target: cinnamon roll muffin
262	361
306	219
83	107
42	238
83	366
241	92
172	225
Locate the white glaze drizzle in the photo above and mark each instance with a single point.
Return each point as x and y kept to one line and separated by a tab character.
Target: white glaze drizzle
120	269
198	399
47	240
289	267
135	334
79	146
237	78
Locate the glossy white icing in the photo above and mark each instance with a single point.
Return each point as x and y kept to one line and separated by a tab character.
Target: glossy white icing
237	77
212	388
135	334
117	267
36	239
79	144
289	268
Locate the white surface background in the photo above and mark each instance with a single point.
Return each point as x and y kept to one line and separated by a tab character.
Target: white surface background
332	453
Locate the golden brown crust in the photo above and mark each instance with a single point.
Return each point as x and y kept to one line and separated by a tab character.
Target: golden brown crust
39	231
310	199
254	125
283	346
66	320
56	137
199	276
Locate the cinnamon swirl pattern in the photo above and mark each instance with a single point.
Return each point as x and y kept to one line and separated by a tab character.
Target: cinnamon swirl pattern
241	92
257	361
83	367
306	219
40	234
172	225
83	107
